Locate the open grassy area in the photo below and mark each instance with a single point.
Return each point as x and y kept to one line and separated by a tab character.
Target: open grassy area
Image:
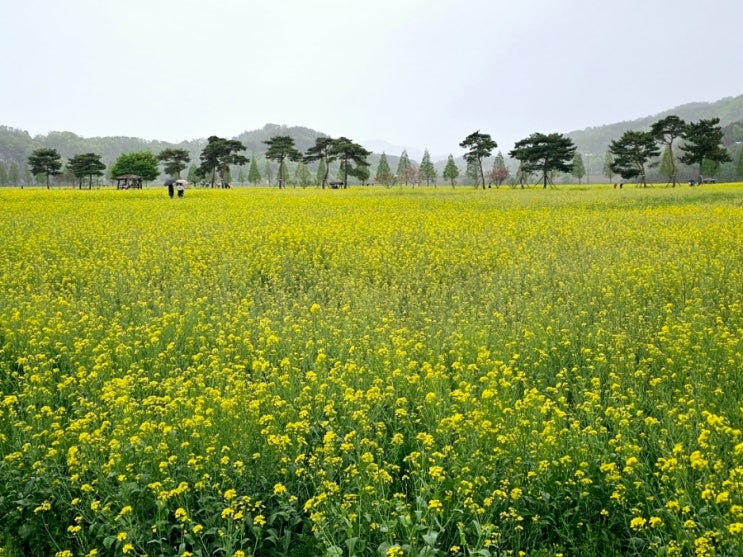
372	372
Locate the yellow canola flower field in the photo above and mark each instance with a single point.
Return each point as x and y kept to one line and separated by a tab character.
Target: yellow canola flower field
372	372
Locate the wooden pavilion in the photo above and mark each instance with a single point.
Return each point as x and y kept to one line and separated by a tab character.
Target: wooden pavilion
128	181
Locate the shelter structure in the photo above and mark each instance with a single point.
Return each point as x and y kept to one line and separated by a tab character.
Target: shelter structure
128	181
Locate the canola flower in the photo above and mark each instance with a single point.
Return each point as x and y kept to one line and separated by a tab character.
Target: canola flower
377	371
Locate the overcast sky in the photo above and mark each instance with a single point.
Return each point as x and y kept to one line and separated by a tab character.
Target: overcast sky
416	73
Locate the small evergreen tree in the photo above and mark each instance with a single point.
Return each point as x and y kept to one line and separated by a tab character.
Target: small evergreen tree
302	175
427	170
384	172
403	166
739	168
322	174
254	176
451	172
578	169
268	172
608	163
3	175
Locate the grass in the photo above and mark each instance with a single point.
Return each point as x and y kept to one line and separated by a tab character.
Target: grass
371	371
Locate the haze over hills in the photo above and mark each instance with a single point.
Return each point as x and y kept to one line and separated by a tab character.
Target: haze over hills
16	145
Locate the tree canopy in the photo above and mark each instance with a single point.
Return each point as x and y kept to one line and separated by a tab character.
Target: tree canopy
703	142
175	160
352	156
88	164
479	146
141	163
218	155
451	172
632	152
45	161
322	151
427	170
666	131
544	154
384	172
280	148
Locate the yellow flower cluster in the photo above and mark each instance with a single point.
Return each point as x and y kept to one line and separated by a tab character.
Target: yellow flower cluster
380	371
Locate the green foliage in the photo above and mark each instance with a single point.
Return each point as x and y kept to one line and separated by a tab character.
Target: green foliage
280	148
427	170
141	163
403	167
45	161
175	161
632	152
703	142
3	174
351	156
88	165
579	170
217	156
544	154
666	131
451	172
384	172
479	146
739	168
254	175
302	175
321	151
608	162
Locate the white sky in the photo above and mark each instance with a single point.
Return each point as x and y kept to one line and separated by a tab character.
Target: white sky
416	73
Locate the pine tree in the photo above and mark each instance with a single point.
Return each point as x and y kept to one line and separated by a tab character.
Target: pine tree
451	172
3	175
480	146
427	169
608	163
302	175
254	177
578	169
322	173
402	167
268	172
667	168
384	172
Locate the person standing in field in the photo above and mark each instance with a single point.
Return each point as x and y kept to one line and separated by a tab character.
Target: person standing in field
181	190
170	190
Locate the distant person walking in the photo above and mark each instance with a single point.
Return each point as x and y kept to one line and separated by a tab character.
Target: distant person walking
170	190
181	189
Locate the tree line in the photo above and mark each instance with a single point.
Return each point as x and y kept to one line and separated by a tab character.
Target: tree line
540	155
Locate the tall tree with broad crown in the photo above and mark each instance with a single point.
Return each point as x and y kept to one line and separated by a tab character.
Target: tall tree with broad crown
321	151
88	165
351	156
544	154
141	163
45	161
479	146
280	148
632	152
666	131
451	172
218	155
175	160
703	142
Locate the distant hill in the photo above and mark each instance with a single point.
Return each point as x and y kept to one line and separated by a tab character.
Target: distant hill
596	140
16	144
